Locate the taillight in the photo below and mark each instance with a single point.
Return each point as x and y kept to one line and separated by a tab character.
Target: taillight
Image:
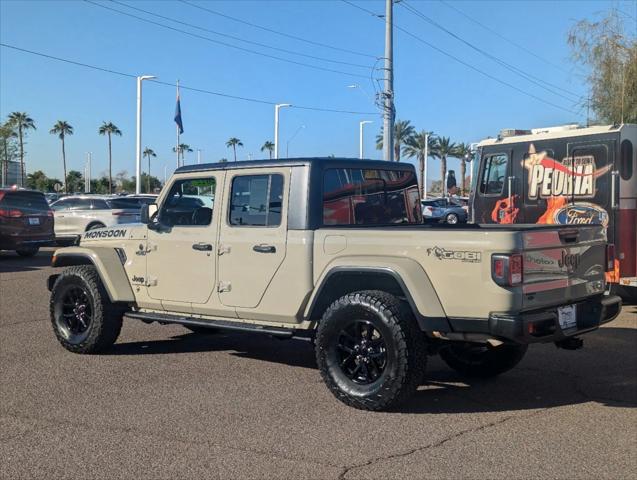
49	213
10	213
507	270
610	257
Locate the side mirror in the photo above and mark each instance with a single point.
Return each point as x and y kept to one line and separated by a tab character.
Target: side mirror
148	210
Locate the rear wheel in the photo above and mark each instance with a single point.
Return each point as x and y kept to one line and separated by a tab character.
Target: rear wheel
28	252
451	219
370	351
478	360
84	319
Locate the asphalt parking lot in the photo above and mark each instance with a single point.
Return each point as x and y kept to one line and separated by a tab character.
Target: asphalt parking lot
165	403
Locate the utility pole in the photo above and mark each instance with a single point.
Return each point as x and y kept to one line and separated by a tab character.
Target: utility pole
276	127
388	94
198	156
138	134
360	137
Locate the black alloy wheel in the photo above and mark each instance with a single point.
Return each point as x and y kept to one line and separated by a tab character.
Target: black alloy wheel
362	352
75	313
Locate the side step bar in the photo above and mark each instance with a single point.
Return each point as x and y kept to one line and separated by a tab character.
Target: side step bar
220	324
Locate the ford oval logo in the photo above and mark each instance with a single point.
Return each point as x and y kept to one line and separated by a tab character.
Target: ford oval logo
582	213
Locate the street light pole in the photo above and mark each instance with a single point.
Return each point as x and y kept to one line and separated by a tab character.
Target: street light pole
287	144
276	127
388	94
138	142
424	173
198	156
360	137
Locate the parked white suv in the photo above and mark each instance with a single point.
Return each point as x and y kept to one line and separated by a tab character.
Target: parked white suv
77	214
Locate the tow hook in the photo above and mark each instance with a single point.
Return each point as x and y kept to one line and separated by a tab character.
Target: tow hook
571	343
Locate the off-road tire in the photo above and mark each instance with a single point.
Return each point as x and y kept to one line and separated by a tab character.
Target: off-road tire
202	330
28	252
483	362
452	219
405	350
106	321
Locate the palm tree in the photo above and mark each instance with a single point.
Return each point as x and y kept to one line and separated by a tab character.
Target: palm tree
7	133
463	152
269	146
444	148
23	123
182	148
416	146
148	152
403	131
62	129
109	129
234	143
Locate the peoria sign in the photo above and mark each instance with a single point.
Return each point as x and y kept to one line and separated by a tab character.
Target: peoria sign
573	176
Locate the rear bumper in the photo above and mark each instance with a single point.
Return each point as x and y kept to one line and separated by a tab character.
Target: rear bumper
542	326
17	242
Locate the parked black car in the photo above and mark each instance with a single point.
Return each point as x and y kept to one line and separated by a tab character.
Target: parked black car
26	221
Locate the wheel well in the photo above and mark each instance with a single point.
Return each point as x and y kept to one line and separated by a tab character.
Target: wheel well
68	260
341	283
92	224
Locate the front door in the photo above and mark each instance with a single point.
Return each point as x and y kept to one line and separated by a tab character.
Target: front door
253	239
181	254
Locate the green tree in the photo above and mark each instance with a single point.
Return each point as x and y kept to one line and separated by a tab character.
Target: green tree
416	146
234	143
403	131
181	151
223	160
611	56
269	146
62	129
75	181
152	182
463	153
148	152
109	129
38	181
444	148
23	123
7	147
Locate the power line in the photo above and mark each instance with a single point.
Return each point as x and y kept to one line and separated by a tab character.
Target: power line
271	30
239	39
525	75
229	45
181	86
499	35
466	64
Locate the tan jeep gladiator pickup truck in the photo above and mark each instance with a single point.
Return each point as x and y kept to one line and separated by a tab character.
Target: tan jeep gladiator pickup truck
335	251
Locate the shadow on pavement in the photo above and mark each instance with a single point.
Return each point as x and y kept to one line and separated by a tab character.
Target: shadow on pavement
11	262
604	371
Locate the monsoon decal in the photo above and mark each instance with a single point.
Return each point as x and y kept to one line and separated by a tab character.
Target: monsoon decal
113	233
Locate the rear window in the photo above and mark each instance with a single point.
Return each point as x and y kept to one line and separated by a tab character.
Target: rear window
130	203
355	196
24	201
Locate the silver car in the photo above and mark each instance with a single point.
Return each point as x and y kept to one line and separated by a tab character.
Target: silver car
77	214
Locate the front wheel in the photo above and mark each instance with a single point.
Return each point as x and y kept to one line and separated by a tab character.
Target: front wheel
84	319
451	219
478	360
370	351
28	252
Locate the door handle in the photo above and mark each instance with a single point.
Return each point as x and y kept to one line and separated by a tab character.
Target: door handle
203	247
264	248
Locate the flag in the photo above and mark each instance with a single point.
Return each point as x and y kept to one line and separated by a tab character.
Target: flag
178	114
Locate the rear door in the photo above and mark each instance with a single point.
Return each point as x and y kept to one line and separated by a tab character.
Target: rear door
253	234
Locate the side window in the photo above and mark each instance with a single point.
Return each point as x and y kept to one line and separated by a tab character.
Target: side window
64	204
626	160
256	200
493	175
81	204
99	204
189	203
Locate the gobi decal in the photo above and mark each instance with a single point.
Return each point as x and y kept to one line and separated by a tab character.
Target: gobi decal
113	233
581	214
460	255
573	176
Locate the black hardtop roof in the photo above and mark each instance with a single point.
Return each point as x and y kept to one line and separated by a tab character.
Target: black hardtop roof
314	162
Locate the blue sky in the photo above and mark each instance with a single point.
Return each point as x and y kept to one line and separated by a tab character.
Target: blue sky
433	91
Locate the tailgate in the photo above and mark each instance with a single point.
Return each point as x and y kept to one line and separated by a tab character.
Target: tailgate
563	265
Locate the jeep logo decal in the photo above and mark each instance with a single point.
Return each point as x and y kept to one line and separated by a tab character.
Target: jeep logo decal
569	260
121	232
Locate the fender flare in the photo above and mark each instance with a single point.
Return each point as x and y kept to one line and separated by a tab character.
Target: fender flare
408	274
108	265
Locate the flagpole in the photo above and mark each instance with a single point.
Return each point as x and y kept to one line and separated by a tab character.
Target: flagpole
177	126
